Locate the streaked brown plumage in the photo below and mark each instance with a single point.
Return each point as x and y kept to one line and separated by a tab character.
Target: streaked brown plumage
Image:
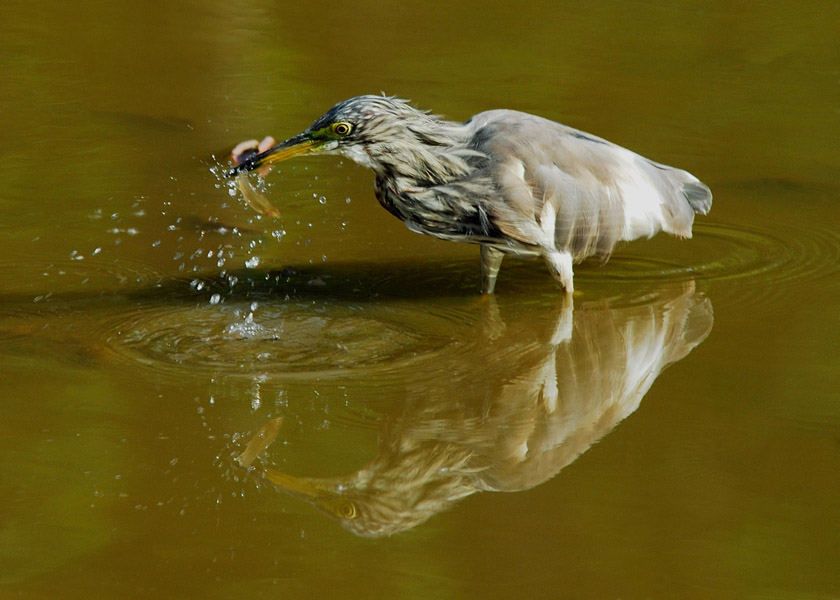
512	182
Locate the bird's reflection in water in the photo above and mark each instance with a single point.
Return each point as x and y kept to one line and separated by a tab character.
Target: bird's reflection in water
541	405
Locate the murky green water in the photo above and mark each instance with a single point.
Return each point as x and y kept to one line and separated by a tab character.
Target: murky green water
440	445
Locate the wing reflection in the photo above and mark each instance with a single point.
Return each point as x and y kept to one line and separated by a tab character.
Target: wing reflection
548	400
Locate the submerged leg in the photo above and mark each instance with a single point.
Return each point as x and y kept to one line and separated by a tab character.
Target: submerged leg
491	261
560	265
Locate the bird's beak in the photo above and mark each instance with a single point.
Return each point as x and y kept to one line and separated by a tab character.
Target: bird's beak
294	146
298	486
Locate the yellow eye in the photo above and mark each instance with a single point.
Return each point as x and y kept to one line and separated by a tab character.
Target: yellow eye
341	128
347	510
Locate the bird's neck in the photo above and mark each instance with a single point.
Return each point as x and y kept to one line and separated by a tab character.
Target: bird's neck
425	153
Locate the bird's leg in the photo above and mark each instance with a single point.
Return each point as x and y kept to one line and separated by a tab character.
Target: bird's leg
491	261
560	265
564	325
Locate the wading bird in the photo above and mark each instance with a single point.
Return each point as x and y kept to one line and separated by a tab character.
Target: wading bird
512	182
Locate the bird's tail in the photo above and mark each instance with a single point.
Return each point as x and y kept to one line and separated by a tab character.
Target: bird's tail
699	196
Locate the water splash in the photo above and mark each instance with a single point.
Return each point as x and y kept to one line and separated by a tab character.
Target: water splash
249	329
283	338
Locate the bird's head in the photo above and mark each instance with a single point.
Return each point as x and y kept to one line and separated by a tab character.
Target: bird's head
365	129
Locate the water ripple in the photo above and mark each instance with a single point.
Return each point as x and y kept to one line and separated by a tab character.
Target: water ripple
768	261
281	339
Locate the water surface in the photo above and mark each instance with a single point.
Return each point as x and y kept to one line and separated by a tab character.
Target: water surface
674	431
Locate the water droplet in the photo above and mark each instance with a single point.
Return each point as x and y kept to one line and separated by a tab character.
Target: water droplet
215	298
322	199
253	262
